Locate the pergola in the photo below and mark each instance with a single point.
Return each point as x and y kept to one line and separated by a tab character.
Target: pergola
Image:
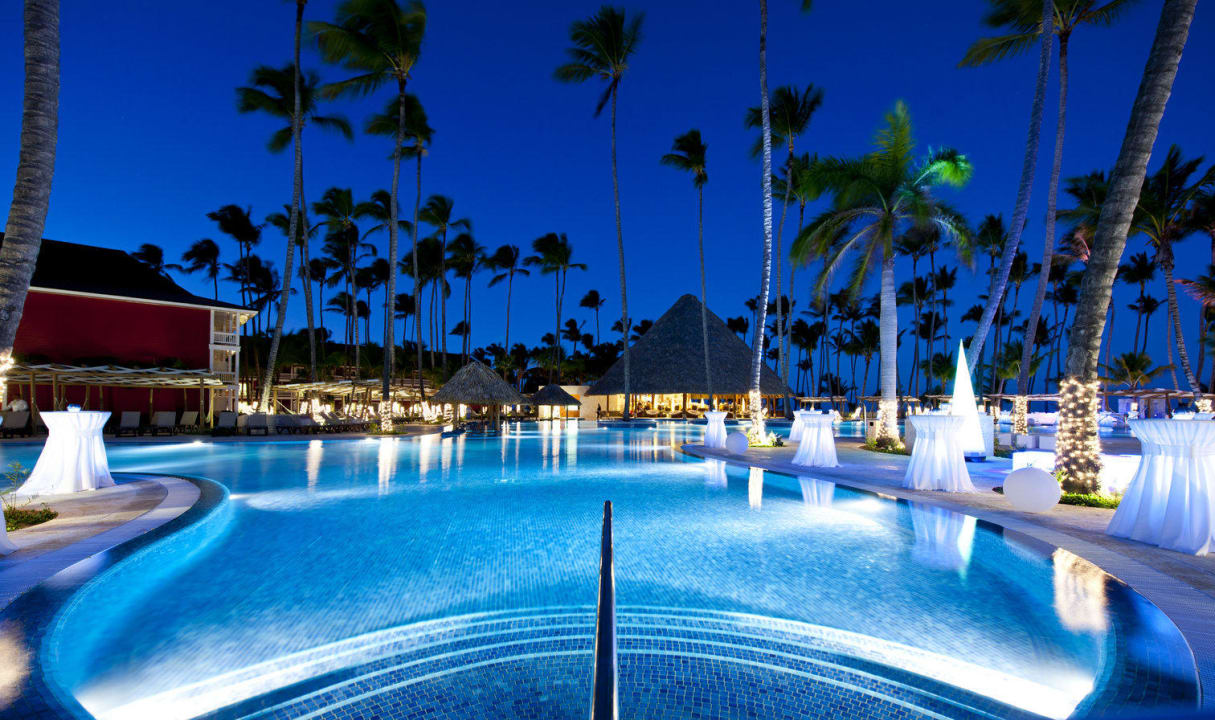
58	376
353	391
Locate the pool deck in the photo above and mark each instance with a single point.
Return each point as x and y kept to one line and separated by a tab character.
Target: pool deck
1182	586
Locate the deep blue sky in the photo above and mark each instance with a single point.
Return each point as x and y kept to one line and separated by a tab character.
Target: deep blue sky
150	140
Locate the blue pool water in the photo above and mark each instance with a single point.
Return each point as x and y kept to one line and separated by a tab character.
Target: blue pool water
457	578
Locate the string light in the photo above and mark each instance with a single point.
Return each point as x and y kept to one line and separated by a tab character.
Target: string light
1021	415
887	420
1077	448
1203	405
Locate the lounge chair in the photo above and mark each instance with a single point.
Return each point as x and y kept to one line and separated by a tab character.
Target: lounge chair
305	424
226	424
15	422
164	421
188	421
129	422
257	423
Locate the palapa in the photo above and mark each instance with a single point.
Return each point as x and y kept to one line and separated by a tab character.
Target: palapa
476	384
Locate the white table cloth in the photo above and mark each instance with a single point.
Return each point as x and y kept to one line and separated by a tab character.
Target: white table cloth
715	435
799	424
937	462
817	445
6	545
1171	499
73	458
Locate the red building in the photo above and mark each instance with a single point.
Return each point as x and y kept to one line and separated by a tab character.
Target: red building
91	306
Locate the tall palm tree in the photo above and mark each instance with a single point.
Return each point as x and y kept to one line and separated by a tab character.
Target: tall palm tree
437	212
593	301
379	41
1139	271
154	257
343	243
554	257
379	210
1132	370
507	262
789	111
688	154
237	223
1076	455
1163	217
1023	19
417	137
602	47
466	257
995	293
35	167
875	197
203	256
289	95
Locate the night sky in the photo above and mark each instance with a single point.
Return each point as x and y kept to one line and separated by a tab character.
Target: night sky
150	139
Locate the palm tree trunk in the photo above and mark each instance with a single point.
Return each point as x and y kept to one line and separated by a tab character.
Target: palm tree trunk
761	303
624	296
510	282
300	204
704	309
293	225
1078	424
996	295
781	359
888	320
390	344
417	288
1175	316
35	167
443	294
1168	346
557	333
1052	192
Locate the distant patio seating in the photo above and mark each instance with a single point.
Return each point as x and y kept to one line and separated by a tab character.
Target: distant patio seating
188	421
257	423
129	423
15	422
164	421
226	424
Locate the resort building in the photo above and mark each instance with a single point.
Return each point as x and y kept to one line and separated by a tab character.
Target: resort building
667	369
91	306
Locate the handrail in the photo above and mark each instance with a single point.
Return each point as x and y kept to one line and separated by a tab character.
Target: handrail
603	696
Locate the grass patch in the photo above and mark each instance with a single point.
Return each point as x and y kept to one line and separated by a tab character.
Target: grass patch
17	518
1091	500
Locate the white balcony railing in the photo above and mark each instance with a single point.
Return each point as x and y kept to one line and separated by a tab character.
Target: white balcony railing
224	338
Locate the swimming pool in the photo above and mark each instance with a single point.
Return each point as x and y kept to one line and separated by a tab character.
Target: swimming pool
457	578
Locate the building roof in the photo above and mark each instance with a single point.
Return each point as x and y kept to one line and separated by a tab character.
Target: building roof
476	384
77	268
554	395
669	359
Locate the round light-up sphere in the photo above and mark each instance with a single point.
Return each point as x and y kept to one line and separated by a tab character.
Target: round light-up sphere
1032	490
737	443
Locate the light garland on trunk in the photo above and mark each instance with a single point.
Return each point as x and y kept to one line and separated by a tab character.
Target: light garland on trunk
887	418
1202	405
1078	448
1021	415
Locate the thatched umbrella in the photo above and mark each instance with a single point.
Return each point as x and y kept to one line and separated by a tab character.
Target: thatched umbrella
554	396
476	384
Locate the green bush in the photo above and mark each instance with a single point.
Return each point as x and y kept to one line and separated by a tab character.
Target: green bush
1090	500
888	445
17	518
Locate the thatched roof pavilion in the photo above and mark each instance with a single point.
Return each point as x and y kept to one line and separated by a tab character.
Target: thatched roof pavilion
476	384
669	359
554	395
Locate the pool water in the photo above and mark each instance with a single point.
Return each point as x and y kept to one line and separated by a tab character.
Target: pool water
458	578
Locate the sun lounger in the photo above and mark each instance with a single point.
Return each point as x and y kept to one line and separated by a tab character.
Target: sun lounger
164	421
226	424
129	423
188	422
306	424
257	423
15	422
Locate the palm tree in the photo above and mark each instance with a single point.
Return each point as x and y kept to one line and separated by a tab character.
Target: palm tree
1077	456
437	212
554	257
35	168
1139	271
343	244
203	256
593	301
1024	19
154	257
237	223
466	257
875	197
995	293
602	47
378	41
1163	217
1132	369
507	263
1145	306
688	154
789	112
379	209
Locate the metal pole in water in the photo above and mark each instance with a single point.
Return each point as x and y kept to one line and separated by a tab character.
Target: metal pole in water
603	696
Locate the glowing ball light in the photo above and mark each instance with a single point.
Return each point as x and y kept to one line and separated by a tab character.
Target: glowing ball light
1031	489
737	443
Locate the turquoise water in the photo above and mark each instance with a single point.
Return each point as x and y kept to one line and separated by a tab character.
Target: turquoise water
335	553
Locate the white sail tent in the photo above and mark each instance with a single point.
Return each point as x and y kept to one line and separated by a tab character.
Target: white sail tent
963	405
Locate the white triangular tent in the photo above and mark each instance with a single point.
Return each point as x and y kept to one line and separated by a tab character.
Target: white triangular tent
963	405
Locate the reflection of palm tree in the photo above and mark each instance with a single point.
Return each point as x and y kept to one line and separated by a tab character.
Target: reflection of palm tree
875	196
1132	369
688	154
602	46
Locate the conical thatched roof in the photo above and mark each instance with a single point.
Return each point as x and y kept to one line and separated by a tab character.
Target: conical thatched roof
554	395
476	384
669	359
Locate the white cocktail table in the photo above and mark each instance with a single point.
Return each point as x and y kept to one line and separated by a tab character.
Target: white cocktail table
715	435
73	458
799	425
817	445
937	462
